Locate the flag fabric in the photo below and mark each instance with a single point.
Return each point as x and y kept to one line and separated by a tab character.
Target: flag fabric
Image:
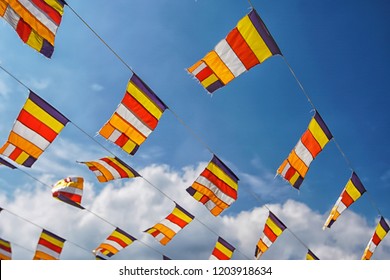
5	250
36	127
49	246
247	45
353	190
310	256
165	230
380	232
6	163
117	241
216	187
311	143
273	228
35	21
110	168
165	258
135	118
222	250
69	190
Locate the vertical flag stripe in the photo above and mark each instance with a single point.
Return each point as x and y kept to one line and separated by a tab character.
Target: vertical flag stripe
311	143
245	46
217	184
352	191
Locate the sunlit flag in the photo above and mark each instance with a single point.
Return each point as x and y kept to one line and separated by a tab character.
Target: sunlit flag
5	250
35	21
223	250
247	45
49	246
69	190
380	232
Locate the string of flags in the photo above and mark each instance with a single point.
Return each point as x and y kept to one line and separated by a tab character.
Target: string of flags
38	124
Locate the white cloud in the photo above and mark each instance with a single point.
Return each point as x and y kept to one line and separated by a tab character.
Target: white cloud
97	87
134	205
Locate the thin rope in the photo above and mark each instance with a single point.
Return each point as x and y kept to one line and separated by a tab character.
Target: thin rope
14	77
100	38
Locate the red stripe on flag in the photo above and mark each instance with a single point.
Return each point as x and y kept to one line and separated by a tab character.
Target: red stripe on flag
242	49
50	245
122	173
204	74
39	127
311	143
23	29
346	199
176	220
219	255
117	240
49	10
140	111
225	188
269	233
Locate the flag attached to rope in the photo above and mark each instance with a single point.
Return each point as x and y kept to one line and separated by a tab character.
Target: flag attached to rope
353	190
117	241
35	21
110	168
6	163
310	256
5	250
69	190
165	230
216	187
380	232
247	45
135	118
311	143
273	228
49	246
222	250
36	127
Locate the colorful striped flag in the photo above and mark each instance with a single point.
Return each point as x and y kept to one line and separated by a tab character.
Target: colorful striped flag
117	241
380	232
222	250
5	250
49	246
110	168
35	21
312	142
36	127
310	256
69	190
247	45
216	187
135	118
273	228
165	230
353	190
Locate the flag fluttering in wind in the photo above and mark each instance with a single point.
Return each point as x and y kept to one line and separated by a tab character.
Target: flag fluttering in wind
247	45
216	187
117	241
69	190
49	246
35	21
311	143
380	232
5	250
135	118
223	250
36	127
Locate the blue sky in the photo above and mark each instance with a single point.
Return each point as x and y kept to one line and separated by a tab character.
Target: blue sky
338	52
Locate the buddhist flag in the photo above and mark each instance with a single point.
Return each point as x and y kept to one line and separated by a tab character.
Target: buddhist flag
247	45
117	241
222	250
110	168
49	246
35	21
273	228
5	250
310	256
165	230
380	232
312	142
135	118
36	127
353	190
69	190
216	187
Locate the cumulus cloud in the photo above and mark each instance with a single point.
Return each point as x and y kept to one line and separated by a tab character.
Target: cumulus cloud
137	204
